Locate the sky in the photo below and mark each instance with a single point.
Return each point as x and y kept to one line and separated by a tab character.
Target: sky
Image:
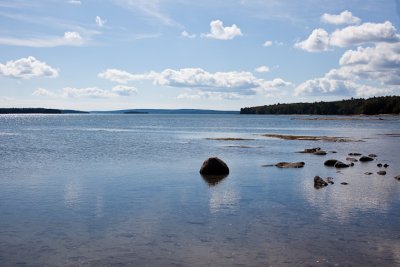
220	54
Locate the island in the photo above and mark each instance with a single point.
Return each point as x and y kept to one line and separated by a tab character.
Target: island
353	106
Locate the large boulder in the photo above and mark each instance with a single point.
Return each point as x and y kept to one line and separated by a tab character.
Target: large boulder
366	159
214	166
330	162
290	164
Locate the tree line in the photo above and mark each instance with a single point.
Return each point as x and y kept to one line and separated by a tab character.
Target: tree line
353	106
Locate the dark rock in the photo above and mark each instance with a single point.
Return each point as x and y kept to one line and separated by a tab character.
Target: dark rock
340	165
381	172
214	166
352	164
319	182
330	162
379	165
354	154
290	164
213	180
385	165
333	152
311	150
330	180
372	155
320	152
344	183
352	159
397	177
366	159
368	173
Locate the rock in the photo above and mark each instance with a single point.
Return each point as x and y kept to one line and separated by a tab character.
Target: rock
366	159
290	164
311	150
330	180
214	166
330	162
319	182
372	155
352	164
344	183
213	180
320	152
340	165
379	165
352	159
354	154
333	152
385	165
368	173
381	172
397	177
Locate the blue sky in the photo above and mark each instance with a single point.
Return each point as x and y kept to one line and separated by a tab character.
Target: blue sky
117	54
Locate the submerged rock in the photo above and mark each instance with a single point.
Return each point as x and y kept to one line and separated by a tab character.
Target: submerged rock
320	152
354	154
290	164
381	172
352	159
214	166
385	165
340	165
372	155
344	183
319	182
379	165
330	180
366	159
330	162
367	173
311	150
213	180
397	177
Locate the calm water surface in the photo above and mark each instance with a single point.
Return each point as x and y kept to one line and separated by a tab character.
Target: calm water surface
125	189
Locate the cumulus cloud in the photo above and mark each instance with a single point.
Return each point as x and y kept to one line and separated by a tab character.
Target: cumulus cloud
267	43
27	68
346	17
123	90
121	76
364	33
188	35
218	31
90	92
42	92
99	21
262	69
317	41
197	95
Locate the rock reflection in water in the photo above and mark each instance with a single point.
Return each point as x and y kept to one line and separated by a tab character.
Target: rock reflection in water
213	180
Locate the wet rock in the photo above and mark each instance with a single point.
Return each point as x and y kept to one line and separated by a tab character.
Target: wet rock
367	173
397	177
344	183
340	165
385	165
354	154
319	182
333	152
379	165
330	180
290	164
311	150
352	159
366	159
381	172
330	162
372	155
320	152
214	166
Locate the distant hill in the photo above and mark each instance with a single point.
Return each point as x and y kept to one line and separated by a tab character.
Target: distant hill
39	111
371	106
166	111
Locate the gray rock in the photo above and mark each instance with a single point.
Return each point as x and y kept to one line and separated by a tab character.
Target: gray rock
330	162
319	182
311	150
214	166
290	164
366	159
379	165
381	172
340	165
352	159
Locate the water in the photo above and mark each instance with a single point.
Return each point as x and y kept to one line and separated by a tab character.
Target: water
126	190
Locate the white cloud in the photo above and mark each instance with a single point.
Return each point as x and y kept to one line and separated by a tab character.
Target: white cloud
124	90
317	41
218	96
69	39
27	68
121	76
364	33
267	43
218	31
99	21
188	35
262	69
74	2
42	92
90	92
346	17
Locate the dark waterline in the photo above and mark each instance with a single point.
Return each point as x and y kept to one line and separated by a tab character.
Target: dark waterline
115	189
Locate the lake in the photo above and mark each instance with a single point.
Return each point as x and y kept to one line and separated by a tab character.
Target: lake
126	190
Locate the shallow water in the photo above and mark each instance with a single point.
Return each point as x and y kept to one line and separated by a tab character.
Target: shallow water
125	189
